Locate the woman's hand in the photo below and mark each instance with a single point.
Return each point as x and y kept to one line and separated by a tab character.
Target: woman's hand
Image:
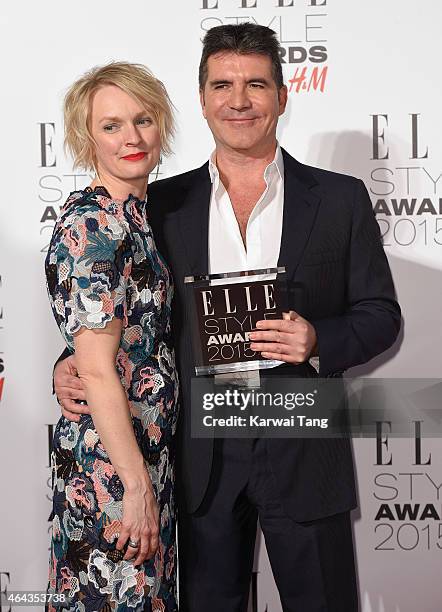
140	523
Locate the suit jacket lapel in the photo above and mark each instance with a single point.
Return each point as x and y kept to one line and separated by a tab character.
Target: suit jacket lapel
194	222
300	208
301	205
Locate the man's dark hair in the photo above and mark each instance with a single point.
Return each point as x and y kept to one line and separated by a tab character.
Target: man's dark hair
244	38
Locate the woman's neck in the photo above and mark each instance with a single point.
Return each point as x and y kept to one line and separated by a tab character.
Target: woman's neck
119	189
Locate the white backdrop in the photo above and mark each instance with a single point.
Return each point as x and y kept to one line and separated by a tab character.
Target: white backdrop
365	99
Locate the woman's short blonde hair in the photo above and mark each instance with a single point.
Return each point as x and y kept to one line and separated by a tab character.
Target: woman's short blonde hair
137	81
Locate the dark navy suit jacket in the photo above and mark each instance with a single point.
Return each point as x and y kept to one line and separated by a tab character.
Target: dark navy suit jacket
339	280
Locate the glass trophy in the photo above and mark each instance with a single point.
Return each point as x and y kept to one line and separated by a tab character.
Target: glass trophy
224	309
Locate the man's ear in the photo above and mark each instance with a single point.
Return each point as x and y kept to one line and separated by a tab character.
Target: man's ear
202	102
282	97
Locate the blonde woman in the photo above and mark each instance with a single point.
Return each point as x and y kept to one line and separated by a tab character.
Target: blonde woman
113	540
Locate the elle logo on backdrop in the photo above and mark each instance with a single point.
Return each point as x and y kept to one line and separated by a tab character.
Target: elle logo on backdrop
53	186
408	513
406	186
300	27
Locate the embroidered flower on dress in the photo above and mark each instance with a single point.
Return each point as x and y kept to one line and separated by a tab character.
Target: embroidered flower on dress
80	495
154	432
69	434
75	239
72	526
118	579
68	582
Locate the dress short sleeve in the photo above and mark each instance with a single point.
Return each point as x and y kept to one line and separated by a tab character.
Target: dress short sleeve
87	270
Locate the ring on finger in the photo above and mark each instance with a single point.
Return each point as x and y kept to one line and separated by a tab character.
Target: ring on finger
133	543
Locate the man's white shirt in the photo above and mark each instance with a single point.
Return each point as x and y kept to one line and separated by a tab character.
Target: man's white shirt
227	252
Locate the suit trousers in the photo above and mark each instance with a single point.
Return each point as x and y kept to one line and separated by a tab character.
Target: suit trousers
312	562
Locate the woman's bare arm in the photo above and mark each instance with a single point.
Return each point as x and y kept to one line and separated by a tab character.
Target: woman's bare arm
95	354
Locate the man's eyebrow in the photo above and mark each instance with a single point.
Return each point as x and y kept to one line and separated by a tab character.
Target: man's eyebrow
219	82
216	82
258	80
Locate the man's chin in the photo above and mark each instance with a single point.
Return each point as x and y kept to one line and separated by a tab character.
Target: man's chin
242	144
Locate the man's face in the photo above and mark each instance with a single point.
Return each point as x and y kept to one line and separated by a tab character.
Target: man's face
241	102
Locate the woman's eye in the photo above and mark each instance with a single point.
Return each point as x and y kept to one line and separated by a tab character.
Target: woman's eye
145	121
111	127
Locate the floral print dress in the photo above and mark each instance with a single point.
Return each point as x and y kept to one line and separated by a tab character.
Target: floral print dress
102	263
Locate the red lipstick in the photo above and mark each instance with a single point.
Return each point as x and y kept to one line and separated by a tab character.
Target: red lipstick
135	156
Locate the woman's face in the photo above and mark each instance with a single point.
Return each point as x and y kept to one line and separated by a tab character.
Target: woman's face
127	140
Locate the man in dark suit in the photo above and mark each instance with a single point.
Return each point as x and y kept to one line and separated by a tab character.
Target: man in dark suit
252	203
